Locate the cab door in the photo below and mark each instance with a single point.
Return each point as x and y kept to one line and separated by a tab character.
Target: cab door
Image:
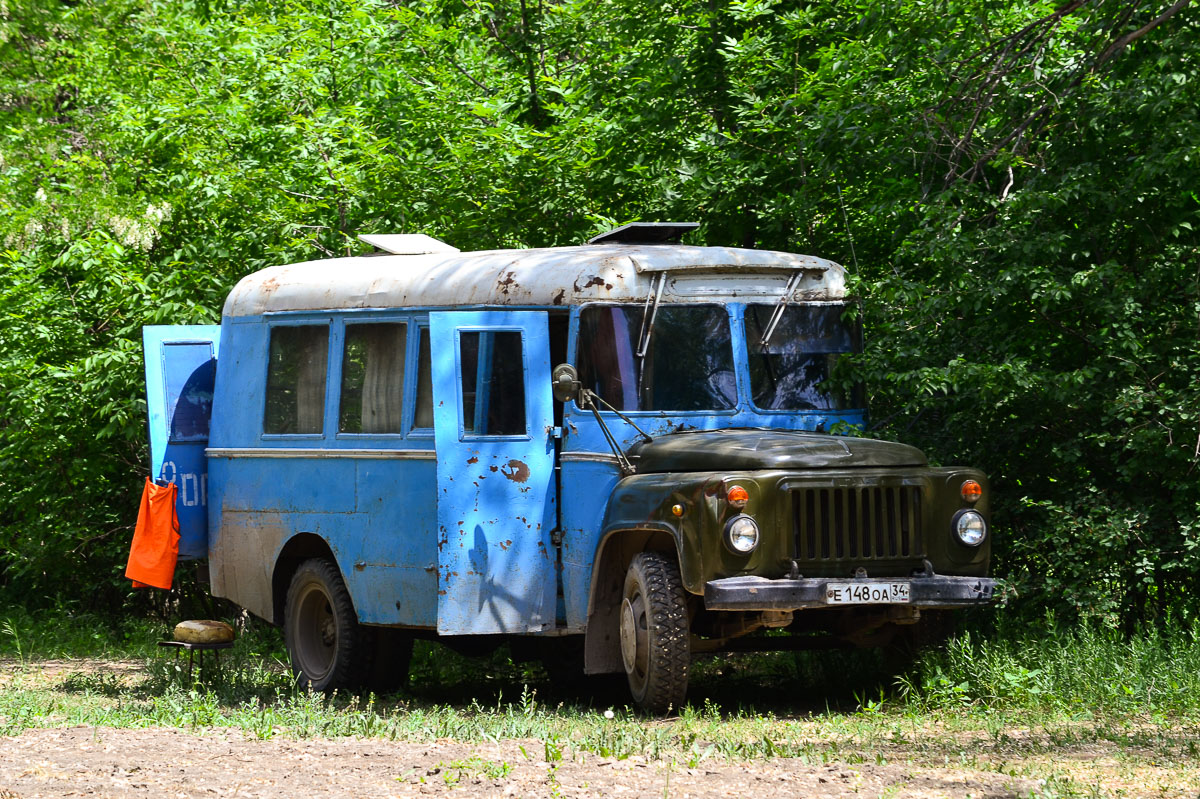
493	423
181	364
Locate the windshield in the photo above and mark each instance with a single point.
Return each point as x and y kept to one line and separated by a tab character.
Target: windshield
688	364
787	373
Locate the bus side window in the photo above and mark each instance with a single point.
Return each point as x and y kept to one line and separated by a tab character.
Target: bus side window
373	378
423	418
296	379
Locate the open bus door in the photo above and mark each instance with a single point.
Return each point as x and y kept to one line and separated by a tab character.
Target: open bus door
181	364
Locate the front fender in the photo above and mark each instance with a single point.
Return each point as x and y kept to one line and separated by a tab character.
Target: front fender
641	505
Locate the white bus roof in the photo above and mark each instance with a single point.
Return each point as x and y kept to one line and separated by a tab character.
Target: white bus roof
538	277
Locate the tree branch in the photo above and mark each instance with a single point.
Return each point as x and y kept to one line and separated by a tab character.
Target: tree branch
1120	44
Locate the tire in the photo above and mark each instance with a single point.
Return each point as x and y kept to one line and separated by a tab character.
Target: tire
327	646
655	636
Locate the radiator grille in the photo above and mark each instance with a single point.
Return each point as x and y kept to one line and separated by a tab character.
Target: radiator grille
871	523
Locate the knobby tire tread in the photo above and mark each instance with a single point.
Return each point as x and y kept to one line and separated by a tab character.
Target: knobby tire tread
352	661
668	618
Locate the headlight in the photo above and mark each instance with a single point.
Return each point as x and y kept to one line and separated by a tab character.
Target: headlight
970	527
741	535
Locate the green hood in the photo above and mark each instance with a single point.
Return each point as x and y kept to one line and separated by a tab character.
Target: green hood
746	450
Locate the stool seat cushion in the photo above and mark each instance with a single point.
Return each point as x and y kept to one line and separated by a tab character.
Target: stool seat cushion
203	631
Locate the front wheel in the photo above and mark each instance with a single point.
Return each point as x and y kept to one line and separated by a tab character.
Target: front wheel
327	646
655	643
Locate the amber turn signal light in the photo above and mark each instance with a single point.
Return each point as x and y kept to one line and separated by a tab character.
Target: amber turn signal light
738	496
971	491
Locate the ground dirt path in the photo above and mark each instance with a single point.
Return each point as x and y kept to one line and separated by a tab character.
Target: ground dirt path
951	756
156	762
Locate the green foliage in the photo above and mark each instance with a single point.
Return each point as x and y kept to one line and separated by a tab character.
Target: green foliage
1012	186
1084	671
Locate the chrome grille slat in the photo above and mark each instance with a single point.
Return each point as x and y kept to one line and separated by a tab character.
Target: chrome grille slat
868	523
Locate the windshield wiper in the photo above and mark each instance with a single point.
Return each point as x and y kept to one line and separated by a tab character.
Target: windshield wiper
648	315
780	307
591	400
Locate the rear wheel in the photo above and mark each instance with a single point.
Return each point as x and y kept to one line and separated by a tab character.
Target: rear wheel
655	644
327	646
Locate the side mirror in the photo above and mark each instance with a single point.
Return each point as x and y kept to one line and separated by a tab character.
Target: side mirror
565	382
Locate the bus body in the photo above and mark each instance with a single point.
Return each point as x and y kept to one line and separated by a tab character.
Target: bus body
380	454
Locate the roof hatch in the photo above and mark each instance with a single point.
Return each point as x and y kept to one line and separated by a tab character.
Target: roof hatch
646	233
406	243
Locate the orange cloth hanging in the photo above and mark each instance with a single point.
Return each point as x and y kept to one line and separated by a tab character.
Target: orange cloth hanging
155	546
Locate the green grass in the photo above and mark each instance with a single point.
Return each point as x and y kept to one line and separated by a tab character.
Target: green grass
959	704
1084	671
1010	703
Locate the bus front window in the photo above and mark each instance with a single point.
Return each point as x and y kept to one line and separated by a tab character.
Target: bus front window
788	371
687	366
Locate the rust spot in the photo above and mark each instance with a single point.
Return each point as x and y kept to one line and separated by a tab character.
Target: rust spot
595	281
472	460
492	467
516	471
504	283
557	299
504	545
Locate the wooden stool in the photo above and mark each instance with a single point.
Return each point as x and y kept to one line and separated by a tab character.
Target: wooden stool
192	649
200	636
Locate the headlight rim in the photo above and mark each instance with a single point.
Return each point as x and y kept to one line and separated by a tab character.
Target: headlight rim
956	530
727	534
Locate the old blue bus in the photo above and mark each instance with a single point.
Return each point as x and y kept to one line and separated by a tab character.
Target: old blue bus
623	448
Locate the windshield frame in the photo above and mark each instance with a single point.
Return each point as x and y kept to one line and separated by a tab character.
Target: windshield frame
736	312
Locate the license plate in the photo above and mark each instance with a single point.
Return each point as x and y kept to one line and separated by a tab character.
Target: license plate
856	593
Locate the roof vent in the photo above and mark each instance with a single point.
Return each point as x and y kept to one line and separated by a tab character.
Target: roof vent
406	243
646	233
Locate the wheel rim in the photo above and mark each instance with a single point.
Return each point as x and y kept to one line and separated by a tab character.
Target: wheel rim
635	641
317	633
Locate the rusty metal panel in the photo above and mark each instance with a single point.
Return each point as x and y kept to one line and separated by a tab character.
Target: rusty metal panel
549	277
495	489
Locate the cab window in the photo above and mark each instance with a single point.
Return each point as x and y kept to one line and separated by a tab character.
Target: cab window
789	370
296	379
686	360
372	397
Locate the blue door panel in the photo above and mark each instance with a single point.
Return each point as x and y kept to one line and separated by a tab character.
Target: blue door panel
180	374
495	493
586	487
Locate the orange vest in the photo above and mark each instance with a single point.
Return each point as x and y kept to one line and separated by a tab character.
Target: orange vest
155	546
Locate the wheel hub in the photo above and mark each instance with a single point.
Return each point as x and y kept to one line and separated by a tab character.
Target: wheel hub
628	636
328	631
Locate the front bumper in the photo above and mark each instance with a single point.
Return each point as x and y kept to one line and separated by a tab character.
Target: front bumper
760	593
